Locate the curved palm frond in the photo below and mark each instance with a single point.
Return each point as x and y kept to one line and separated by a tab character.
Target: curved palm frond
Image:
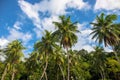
105	31
65	32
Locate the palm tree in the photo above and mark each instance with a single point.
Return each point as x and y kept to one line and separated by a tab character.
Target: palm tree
65	34
14	54
46	46
106	31
59	59
117	47
33	63
99	61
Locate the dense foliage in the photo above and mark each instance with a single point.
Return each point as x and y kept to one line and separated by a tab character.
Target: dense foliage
54	59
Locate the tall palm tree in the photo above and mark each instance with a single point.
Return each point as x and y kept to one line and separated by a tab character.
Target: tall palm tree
117	47
46	46
14	54
106	31
99	61
65	34
59	59
33	63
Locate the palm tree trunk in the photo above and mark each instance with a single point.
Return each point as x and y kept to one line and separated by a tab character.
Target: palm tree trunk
46	76
102	73
57	76
62	72
102	76
44	71
13	74
4	73
68	65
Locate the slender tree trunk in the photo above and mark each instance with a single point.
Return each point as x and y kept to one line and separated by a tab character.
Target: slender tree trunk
62	72
68	65
13	74
44	71
102	73
4	73
46	76
57	76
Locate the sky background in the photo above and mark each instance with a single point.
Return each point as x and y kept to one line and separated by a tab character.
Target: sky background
26	20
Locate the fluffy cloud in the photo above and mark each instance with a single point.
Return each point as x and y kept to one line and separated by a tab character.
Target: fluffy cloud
31	12
3	42
2	58
38	32
53	7
78	4
47	23
16	34
107	5
84	39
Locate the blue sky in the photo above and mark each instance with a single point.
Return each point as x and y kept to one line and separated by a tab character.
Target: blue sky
26	20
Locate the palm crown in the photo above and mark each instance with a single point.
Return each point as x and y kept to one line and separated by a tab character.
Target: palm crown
66	32
105	30
14	51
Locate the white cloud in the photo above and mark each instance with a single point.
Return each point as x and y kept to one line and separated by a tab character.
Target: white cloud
53	7
107	4
80	26
38	32
3	42
48	23
78	4
16	34
84	39
17	25
89	48
30	11
2	58
108	49
27	37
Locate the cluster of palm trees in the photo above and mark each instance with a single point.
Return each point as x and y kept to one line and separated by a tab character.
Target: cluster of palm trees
106	31
54	59
13	54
